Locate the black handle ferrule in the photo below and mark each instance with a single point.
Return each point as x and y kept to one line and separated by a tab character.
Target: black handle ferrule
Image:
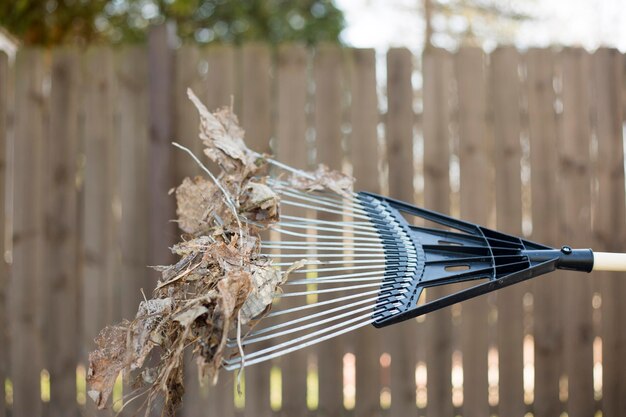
567	258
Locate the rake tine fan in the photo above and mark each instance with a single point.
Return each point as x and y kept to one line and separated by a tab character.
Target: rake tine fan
367	262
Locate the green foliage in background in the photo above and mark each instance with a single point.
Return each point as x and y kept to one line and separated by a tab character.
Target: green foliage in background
53	22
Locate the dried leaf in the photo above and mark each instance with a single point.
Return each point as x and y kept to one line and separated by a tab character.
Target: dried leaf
259	203
324	178
194	199
223	139
265	281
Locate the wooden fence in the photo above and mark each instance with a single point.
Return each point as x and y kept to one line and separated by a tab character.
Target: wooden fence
527	142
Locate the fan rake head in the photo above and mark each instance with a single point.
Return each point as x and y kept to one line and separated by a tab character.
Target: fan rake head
367	260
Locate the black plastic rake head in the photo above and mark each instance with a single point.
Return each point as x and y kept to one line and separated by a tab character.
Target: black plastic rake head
365	261
452	252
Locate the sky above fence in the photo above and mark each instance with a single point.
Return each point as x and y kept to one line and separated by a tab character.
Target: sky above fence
385	23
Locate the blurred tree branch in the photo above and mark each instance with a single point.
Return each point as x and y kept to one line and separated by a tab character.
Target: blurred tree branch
52	22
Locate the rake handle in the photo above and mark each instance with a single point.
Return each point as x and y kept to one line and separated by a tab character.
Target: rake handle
606	261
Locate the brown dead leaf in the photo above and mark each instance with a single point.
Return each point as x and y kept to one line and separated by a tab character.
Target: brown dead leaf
324	179
259	203
223	139
194	199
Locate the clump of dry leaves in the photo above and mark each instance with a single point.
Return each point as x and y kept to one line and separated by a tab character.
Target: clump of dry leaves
220	281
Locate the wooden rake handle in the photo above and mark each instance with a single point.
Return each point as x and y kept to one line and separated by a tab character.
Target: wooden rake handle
606	261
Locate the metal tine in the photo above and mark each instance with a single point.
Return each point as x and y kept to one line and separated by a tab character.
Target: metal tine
322	313
235	364
325	333
326	290
351	275
327	229
363	261
282	185
357	208
310	207
333	269
356	225
320	303
359	254
330	195
248	341
318	244
321	281
354	239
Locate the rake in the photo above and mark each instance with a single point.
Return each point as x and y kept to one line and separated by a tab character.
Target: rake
368	260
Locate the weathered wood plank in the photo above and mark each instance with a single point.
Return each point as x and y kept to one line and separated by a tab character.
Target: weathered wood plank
161	178
542	127
575	227
189	70
292	149
98	228
256	95
403	340
219	90
609	228
506	96
475	204
329	74
4	277
25	294
62	275
365	158
438	75
256	119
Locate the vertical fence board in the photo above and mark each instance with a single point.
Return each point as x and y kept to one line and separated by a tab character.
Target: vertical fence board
436	120
4	278
544	194
163	233
475	205
256	119
24	295
133	137
219	91
506	92
132	104
188	66
575	228
292	149
63	279
328	73
402	339
99	137
608	221
256	95
364	156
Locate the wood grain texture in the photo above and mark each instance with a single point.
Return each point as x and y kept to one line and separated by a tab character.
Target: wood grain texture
575	227
99	295
163	232
438	76
25	294
365	157
505	106
256	119
475	204
4	278
189	72
542	128
609	228
403	340
330	90
291	149
62	231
